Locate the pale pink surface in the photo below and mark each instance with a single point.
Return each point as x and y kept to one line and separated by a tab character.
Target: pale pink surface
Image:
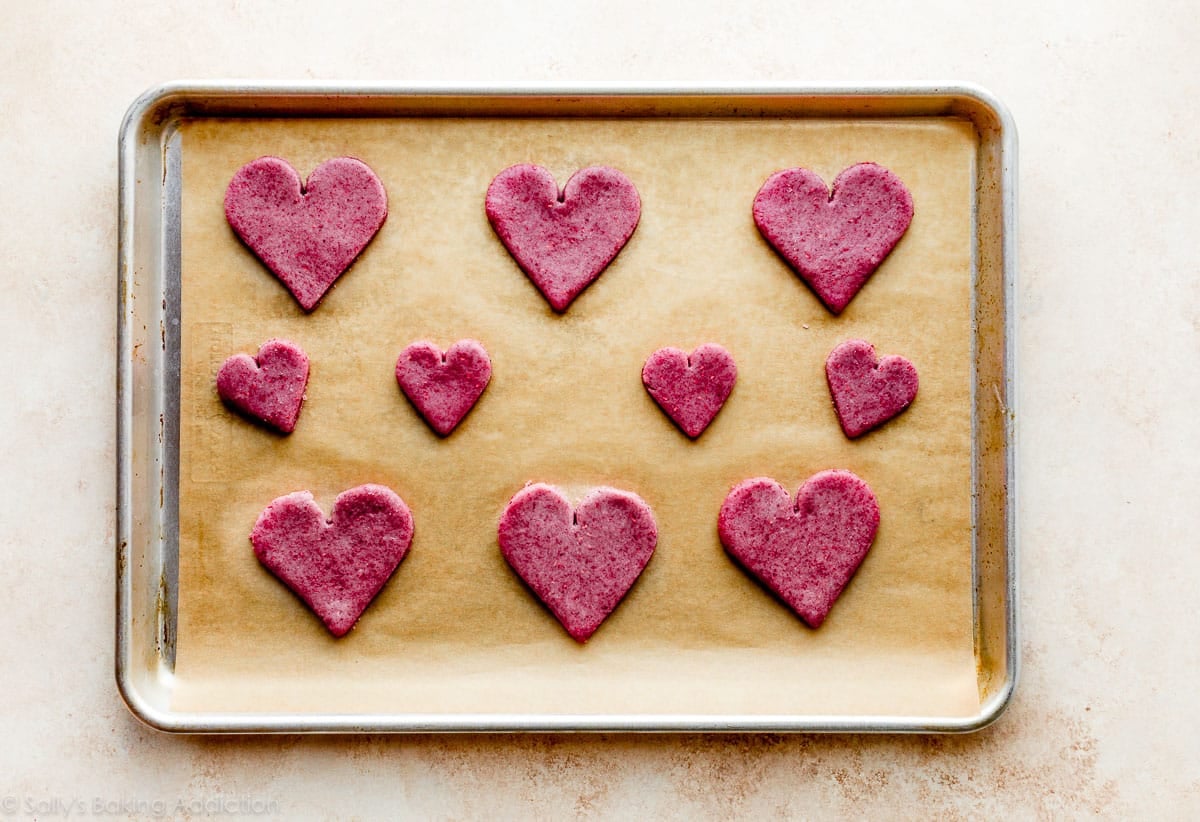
868	392
337	566
268	387
691	389
834	241
581	563
805	551
443	387
563	242
306	236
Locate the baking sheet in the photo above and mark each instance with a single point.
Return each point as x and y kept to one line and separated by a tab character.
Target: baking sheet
455	631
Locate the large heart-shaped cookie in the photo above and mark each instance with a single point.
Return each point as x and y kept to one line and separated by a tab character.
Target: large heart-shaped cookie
306	235
563	240
834	241
268	387
581	563
338	565
691	389
868	392
443	387
804	551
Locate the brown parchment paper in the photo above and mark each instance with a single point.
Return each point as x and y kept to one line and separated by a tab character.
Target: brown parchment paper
455	630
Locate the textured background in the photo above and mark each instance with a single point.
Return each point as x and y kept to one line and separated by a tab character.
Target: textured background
1104	721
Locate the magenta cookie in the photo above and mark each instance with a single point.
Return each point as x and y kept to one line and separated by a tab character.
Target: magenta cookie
269	387
805	551
338	565
691	389
306	235
868	392
563	240
443	387
579	564
834	241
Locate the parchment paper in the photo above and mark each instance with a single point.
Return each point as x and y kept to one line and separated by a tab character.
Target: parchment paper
455	630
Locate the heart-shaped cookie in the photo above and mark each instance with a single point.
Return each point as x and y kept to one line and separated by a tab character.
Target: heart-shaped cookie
691	389
268	387
443	387
868	392
563	240
581	563
306	235
834	241
804	551
338	565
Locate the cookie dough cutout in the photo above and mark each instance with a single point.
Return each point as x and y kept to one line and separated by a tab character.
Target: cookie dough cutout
307	235
690	388
562	240
834	240
336	565
579	562
867	392
443	387
268	387
804	551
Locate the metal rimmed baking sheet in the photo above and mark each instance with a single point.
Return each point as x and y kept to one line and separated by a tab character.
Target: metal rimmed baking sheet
152	371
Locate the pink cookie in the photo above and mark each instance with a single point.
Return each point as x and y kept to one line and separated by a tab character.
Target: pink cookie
338	565
309	235
805	552
834	241
866	392
443	387
580	565
563	240
690	389
269	387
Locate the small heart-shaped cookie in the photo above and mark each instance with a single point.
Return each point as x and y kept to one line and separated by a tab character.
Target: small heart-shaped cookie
691	389
443	387
306	235
268	387
834	241
338	565
562	240
868	392
805	551
579	564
